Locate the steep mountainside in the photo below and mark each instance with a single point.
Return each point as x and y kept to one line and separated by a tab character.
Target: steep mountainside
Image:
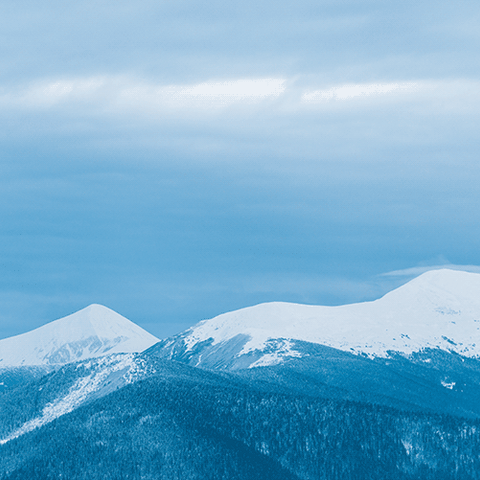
11	377
438	310
39	402
432	380
91	332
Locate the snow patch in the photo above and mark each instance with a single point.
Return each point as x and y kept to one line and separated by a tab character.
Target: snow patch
448	385
83	388
283	350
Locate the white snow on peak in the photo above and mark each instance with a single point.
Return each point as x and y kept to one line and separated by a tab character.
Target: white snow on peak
94	331
438	309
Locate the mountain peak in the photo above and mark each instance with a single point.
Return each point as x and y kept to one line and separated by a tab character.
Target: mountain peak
91	332
438	309
447	278
441	286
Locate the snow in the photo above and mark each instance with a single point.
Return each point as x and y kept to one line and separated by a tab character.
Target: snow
284	348
94	331
448	385
439	309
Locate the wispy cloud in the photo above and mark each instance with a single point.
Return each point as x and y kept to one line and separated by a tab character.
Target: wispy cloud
415	271
230	90
206	95
49	93
122	91
354	90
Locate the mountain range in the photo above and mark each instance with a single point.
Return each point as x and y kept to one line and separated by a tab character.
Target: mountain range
382	389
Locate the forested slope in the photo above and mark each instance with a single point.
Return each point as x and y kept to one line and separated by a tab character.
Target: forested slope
210	427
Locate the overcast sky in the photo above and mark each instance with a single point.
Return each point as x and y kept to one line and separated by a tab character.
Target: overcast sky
174	160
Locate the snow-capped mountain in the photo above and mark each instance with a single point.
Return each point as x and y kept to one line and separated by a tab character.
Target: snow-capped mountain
439	309
92	332
329	368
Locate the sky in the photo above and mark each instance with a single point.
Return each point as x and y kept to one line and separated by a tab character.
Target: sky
174	160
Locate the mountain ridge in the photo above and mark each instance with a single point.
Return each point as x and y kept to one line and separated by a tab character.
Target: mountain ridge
438	309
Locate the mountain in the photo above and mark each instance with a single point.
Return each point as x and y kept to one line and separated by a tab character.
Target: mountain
283	391
437	310
92	332
415	349
181	422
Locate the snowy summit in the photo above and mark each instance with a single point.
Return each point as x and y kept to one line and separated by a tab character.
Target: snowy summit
439	309
94	331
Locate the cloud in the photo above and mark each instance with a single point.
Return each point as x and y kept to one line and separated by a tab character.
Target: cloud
121	110
230	90
121	93
350	91
415	271
440	97
44	94
206	95
128	93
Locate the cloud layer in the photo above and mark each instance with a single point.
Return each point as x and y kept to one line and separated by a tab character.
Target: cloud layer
126	91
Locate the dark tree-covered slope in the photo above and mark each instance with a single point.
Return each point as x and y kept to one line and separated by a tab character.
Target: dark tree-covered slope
190	424
432	380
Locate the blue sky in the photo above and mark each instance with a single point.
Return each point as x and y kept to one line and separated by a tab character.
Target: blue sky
176	160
